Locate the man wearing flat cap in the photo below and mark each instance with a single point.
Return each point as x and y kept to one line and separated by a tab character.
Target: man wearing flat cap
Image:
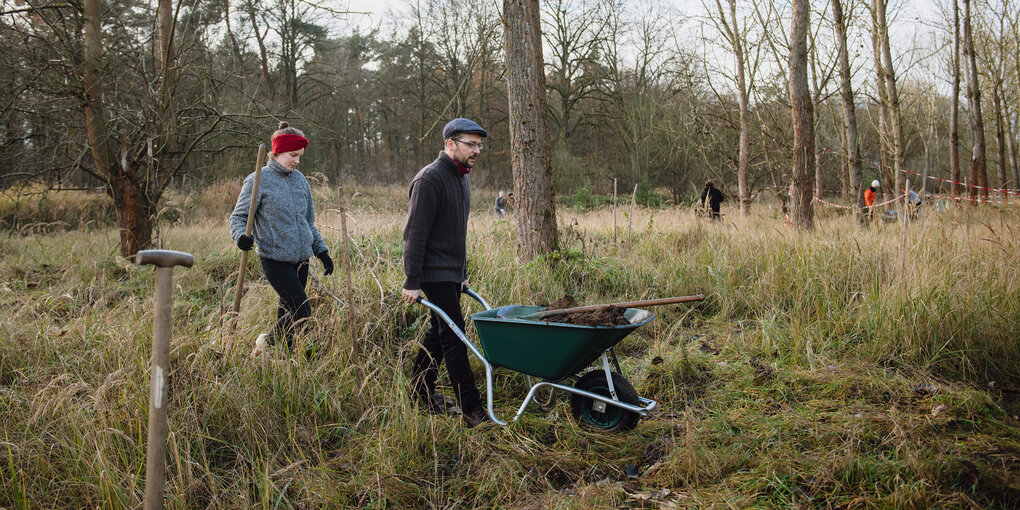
435	262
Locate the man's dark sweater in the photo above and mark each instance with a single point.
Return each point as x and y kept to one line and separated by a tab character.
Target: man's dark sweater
715	197
435	237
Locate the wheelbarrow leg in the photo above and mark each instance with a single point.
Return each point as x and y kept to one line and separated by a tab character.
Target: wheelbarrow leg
609	376
615	360
473	350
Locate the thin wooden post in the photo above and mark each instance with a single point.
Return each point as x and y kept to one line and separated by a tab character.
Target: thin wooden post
906	220
630	219
351	312
906	203
614	210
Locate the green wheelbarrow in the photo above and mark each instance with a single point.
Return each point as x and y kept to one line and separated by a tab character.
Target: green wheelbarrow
556	354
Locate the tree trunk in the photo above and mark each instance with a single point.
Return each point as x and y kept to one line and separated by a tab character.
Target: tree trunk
95	116
954	121
133	212
742	156
165	143
529	133
893	97
884	136
122	184
803	118
1011	150
260	37
852	148
235	46
733	36
816	94
1000	138
978	175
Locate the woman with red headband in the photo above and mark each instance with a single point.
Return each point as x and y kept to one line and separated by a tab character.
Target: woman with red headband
284	231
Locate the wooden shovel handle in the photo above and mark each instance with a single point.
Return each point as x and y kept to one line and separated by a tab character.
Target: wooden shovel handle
239	288
626	304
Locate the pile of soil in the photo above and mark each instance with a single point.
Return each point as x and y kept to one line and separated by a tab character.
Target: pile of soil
607	316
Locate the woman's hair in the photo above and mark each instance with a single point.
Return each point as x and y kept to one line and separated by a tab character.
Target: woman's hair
709	184
285	129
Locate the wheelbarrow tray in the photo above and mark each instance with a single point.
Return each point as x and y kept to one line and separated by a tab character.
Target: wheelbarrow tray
548	350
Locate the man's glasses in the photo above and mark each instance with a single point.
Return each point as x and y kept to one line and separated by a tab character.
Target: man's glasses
470	145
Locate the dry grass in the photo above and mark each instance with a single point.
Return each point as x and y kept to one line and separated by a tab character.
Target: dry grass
821	371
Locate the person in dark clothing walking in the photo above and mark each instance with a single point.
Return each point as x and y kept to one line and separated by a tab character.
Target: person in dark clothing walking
435	261
284	231
714	198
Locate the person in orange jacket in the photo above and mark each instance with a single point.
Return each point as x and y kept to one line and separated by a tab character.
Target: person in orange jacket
869	198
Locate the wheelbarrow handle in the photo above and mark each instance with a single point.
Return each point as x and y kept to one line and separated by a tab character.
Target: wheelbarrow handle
473	294
465	290
471	348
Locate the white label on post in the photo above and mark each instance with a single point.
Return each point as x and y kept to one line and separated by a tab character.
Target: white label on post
157	386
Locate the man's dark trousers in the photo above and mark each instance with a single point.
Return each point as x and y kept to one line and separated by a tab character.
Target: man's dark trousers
441	343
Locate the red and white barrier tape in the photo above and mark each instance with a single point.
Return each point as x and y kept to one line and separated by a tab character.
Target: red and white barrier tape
995	190
826	150
981	200
853	207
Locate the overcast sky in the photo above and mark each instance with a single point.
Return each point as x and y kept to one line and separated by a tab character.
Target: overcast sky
911	28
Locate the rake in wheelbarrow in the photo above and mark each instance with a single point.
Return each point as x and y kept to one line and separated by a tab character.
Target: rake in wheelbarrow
556	354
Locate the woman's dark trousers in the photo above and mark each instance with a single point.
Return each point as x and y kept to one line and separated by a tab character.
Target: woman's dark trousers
288	280
442	343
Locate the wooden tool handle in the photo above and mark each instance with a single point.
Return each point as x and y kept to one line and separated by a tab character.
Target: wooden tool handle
239	288
626	304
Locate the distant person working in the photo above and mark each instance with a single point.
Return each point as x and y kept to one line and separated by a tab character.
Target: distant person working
500	207
869	199
711	197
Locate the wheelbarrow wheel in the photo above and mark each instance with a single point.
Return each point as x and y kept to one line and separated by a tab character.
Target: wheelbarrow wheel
611	418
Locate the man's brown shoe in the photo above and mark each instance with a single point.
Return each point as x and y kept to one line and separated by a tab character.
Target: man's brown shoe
477	417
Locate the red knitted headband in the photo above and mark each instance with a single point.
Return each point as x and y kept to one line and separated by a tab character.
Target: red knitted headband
288	142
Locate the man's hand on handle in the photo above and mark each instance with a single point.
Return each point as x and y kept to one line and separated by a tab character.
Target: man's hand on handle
410	296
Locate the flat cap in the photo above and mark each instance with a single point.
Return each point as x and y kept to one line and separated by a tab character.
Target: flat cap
462	125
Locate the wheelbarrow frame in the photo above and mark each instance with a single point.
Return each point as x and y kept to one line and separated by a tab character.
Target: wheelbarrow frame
647	407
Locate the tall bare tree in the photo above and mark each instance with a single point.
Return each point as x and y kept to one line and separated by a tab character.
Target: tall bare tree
852	148
978	175
529	133
133	209
731	31
574	33
954	121
887	74
802	111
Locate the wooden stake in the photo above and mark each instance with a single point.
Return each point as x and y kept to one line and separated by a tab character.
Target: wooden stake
614	210
906	220
630	219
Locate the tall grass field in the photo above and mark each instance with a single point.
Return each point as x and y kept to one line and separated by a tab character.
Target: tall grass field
846	368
